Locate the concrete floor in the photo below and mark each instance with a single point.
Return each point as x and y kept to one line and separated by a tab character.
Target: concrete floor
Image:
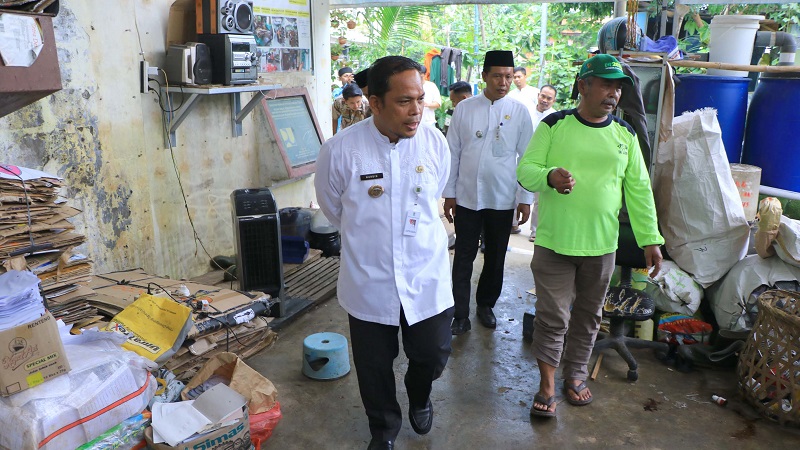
483	398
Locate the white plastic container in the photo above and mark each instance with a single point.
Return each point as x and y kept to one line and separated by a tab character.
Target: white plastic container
732	39
748	180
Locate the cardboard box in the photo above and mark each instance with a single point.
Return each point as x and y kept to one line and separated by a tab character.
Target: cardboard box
30	354
233	437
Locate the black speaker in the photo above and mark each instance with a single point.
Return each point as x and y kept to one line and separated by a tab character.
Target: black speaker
256	232
224	16
202	64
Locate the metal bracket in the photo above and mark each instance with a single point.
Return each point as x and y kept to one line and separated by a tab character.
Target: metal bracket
194	94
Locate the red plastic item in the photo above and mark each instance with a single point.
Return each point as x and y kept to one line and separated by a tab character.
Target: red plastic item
261	425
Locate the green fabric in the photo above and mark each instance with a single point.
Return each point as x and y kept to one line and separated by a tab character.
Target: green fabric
603	159
436	75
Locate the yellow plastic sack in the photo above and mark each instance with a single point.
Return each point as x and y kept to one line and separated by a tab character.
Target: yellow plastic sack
155	326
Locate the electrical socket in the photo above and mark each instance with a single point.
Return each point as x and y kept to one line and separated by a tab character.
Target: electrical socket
143	77
145	72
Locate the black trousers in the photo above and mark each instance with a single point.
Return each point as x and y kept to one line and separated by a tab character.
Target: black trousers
496	225
375	346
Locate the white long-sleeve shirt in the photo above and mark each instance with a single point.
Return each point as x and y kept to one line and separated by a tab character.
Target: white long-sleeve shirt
537	116
381	268
486	138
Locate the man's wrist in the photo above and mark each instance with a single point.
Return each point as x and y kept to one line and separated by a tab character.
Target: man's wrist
548	178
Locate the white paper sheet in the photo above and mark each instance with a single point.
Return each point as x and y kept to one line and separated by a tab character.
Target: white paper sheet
21	40
175	422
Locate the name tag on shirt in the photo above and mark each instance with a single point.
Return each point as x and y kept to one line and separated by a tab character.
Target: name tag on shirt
371	176
412	220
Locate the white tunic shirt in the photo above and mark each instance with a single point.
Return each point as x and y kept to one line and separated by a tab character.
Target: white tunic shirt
431	96
382	267
528	95
537	116
486	139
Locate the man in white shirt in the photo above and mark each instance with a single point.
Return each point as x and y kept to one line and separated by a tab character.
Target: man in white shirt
523	92
544	107
379	182
487	134
433	100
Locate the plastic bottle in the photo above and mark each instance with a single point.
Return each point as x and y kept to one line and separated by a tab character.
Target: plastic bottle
644	330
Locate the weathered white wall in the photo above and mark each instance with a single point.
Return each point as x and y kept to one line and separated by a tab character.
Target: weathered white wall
105	139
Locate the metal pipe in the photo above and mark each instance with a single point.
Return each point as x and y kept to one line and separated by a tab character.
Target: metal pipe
785	41
776	192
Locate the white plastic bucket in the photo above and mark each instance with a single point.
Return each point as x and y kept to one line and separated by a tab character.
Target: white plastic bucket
732	39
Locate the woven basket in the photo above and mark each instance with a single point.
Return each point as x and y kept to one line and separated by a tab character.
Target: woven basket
769	364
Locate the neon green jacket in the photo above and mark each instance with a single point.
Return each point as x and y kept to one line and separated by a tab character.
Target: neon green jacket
605	161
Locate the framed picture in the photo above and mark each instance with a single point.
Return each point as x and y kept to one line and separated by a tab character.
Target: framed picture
295	127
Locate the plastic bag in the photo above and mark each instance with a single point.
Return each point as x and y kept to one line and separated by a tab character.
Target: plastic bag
126	435
683	330
261	425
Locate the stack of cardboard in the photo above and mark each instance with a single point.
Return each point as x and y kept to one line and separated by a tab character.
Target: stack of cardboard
233	321
35	235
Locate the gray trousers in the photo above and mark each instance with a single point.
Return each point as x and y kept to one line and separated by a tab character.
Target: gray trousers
564	282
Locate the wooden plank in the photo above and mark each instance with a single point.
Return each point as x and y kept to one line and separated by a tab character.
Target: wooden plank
311	272
304	268
314	281
596	369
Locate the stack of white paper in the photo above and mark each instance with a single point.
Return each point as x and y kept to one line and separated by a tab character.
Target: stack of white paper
20	301
217	407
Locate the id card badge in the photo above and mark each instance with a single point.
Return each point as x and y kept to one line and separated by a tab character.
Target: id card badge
498	148
412	220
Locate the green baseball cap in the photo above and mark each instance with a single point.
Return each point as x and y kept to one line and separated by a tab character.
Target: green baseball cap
603	66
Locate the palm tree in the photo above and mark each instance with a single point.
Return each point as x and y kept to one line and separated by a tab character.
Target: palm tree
390	28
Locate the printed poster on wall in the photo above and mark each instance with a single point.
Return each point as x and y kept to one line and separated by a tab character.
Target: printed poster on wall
283	35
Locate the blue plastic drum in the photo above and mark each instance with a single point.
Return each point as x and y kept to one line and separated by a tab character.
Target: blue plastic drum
728	95
771	141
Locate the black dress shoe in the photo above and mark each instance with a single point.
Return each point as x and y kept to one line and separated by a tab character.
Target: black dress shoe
460	326
486	316
421	418
375	444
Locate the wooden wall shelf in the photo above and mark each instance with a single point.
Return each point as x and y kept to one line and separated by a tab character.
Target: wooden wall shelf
21	86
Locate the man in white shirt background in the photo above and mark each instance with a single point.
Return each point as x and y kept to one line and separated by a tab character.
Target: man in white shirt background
380	182
433	100
487	134
523	92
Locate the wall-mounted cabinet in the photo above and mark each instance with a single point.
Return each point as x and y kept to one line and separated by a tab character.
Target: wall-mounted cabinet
21	86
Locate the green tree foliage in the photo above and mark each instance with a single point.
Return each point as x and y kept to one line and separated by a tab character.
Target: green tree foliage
571	34
413	30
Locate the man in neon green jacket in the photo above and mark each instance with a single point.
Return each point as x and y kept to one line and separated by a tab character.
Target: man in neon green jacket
581	161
